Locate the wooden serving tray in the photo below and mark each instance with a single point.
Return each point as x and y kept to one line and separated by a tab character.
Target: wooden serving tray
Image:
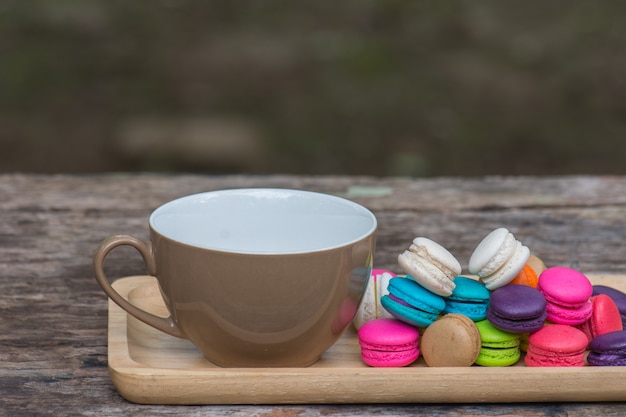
150	367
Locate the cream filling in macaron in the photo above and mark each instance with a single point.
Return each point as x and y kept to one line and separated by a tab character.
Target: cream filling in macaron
431	265
498	258
416	268
509	270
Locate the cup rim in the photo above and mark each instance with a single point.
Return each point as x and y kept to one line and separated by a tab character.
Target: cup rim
359	208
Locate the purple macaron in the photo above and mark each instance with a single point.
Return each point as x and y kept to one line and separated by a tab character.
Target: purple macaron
608	349
517	308
617	296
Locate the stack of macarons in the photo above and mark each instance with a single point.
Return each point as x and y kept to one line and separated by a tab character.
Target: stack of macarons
510	302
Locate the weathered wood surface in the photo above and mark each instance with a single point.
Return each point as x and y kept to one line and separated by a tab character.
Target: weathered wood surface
53	316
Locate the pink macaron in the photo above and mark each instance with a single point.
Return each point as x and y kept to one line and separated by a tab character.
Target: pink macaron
388	343
567	292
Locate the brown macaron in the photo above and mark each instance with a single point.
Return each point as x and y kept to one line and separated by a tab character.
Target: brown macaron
453	340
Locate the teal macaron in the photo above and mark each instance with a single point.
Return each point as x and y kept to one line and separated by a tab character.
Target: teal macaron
411	303
498	347
470	298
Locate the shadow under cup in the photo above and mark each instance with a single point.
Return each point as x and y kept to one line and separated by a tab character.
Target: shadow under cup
256	277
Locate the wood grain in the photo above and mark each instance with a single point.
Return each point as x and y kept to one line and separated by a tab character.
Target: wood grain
53	326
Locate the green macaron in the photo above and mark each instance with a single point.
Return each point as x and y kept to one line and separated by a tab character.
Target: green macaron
498	347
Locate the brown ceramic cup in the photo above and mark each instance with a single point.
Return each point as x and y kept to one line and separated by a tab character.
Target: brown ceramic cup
254	277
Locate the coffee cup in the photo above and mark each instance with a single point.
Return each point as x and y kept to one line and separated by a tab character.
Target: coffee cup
255	277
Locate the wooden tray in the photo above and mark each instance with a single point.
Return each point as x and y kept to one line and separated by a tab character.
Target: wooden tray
150	367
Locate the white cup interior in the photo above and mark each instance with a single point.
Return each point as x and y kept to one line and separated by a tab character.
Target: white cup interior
261	220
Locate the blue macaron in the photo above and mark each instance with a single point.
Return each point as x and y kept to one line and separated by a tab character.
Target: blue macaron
411	303
469	298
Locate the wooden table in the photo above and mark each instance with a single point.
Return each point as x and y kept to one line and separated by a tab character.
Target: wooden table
53	326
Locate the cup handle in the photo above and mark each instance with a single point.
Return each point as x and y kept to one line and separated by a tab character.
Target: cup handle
166	325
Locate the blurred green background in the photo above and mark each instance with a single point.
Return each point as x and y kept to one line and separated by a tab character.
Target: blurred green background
313	87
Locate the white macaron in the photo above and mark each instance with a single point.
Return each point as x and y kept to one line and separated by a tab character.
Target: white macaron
430	265
498	258
371	307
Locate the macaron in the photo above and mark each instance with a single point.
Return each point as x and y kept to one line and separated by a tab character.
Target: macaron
517	308
605	317
618	296
431	265
536	263
469	298
453	340
498	348
523	341
608	349
371	307
388	343
498	258
567	293
527	276
411	303
556	345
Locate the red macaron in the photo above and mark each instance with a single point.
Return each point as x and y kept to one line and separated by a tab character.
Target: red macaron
605	317
556	345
